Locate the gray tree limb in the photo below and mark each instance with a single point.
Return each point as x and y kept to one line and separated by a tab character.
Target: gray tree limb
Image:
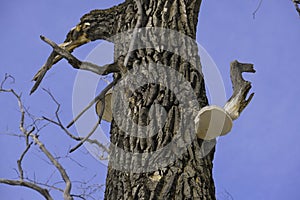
44	192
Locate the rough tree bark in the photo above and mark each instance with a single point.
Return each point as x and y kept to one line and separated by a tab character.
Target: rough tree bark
190	175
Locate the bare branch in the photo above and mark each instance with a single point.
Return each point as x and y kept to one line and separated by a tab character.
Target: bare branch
20	104
59	123
46	185
28	135
102	101
257	8
237	102
77	64
6	77
53	58
21	108
19	162
96	142
86	137
44	192
61	170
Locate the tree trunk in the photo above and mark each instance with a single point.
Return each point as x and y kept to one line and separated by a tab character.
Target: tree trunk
182	168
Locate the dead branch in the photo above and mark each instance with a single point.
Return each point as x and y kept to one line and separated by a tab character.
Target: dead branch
6	77
19	162
62	171
257	8
53	58
27	133
18	97
101	98
44	192
238	101
45	185
102	101
77	36
86	137
77	64
110	68
60	124
21	124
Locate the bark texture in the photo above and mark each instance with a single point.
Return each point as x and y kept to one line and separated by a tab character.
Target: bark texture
190	175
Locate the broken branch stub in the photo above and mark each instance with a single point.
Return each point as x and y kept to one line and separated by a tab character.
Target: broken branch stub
238	101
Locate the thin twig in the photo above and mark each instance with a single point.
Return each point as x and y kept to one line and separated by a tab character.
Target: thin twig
19	162
6	77
60	124
87	137
97	98
102	101
46	185
42	72
26	134
110	68
257	8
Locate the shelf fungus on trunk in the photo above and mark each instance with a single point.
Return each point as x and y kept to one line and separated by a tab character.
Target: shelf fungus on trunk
213	121
107	114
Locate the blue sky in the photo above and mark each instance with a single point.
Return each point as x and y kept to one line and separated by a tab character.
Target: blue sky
257	160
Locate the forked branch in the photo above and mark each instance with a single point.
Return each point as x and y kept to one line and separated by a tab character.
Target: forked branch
29	134
101	98
59	123
21	182
86	31
77	64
